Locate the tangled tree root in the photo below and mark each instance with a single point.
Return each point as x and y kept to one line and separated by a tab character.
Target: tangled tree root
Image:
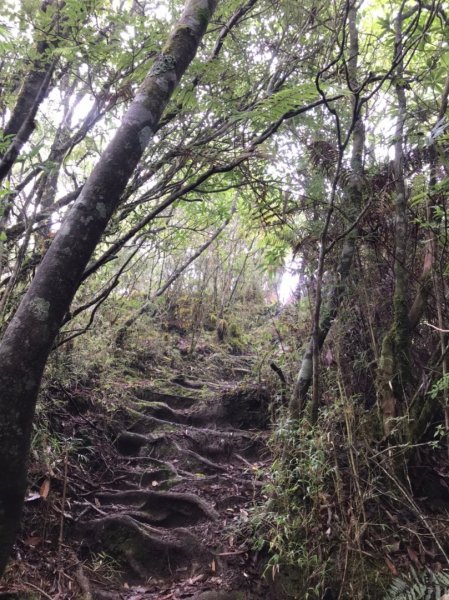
175	401
145	549
161	411
220	595
166	509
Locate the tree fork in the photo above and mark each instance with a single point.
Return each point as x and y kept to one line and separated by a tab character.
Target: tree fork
30	335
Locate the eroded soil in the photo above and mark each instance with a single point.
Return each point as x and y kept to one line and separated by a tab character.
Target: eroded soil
155	499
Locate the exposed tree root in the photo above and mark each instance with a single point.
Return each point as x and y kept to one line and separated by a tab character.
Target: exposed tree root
176	401
129	443
99	594
204	462
149	422
84	584
166	509
168	473
161	410
219	595
146	550
163	446
165	458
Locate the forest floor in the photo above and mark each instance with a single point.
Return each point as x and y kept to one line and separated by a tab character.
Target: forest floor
144	490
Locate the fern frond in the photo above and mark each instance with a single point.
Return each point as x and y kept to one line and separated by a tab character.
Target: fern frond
419	585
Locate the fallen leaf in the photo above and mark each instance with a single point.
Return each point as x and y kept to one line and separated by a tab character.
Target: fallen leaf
391	567
33	541
413	556
33	496
44	490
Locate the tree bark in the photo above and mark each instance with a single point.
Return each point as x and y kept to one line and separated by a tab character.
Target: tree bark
323	318
394	364
30	335
34	89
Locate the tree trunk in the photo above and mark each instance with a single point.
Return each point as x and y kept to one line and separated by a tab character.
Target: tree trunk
394	367
34	89
323	319
30	335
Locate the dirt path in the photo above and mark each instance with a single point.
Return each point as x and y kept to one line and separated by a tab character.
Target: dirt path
185	480
154	501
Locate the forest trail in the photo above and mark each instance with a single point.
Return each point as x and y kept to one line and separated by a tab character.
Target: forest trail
185	477
159	509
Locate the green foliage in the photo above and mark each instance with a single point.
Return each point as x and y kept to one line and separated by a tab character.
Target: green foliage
268	65
299	478
419	585
276	105
441	385
275	250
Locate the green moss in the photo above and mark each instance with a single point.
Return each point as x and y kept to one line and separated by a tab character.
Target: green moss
176	43
163	63
150	404
203	15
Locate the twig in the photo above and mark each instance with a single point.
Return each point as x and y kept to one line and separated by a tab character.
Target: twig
83	582
435	327
64	494
247	463
38	589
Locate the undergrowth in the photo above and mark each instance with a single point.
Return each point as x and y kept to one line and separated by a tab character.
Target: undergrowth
340	515
424	585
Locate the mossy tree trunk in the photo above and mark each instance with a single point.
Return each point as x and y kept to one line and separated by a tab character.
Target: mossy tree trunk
424	411
29	337
325	316
394	363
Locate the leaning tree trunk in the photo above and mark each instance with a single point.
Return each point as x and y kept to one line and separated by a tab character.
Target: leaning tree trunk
34	89
30	335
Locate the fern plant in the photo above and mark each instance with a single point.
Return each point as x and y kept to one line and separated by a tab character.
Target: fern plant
422	585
